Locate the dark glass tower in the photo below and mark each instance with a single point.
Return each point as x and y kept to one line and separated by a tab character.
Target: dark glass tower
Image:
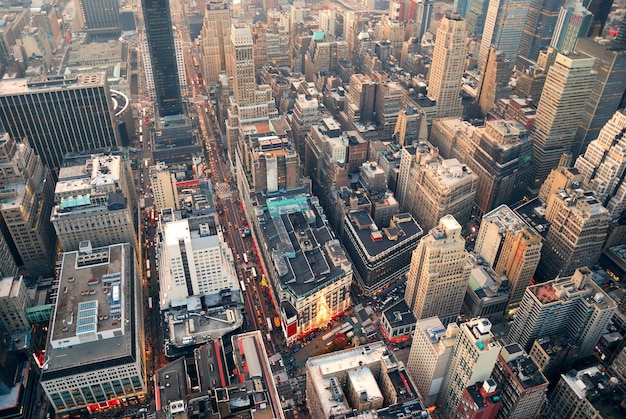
600	10
538	30
101	17
158	24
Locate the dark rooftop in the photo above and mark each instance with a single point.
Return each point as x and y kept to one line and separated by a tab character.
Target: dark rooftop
399	314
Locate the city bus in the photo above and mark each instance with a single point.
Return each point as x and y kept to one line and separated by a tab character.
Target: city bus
269	325
243	287
253	272
245	257
149	303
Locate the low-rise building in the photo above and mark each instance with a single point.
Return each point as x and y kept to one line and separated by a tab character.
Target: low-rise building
398	322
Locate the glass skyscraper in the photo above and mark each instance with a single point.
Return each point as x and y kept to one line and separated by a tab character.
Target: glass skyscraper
158	25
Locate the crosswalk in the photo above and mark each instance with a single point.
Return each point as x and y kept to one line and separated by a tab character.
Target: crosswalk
223	190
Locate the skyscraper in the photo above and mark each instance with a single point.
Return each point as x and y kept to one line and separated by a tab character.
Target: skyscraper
600	10
578	227
475	17
573	23
560	108
603	166
444	83
101	17
158	26
538	30
473	357
214	42
423	15
608	91
438	275
25	204
494	81
574	306
243	64
504	25
510	247
59	114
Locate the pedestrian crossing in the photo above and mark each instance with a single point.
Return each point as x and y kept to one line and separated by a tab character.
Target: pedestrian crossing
223	190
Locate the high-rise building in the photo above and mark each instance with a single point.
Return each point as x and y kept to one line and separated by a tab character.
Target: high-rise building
600	10
430	187
499	155
328	21
588	393
305	113
509	246
573	23
214	41
607	93
521	383
538	30
160	36
423	15
323	54
475	16
380	254
164	188
25	205
438	274
92	202
570	305
194	260
96	333
578	227
504	25
59	114
603	166
473	357
444	83
410	126
101	17
494	81
14	301
430	353
559	111
364	380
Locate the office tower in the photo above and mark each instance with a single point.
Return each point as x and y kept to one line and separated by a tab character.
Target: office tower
380	253
499	156
494	81
410	126
573	23
510	247
59	114
538	29
194	260
600	10
16	20
522	385
101	17
305	113
473	357
323	55
429	357
403	10
504	25
327	21
430	187
271	162
390	98
553	356
361	98
392	31
96	332
14	301
358	380
243	64
479	401
574	306
559	111
92	202
588	393
475	17
423	15
444	83
438	274
25	205
158	26
461	7
608	89
164	188
578	227
603	166
214	41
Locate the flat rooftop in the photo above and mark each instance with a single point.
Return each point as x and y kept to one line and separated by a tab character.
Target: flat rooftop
93	318
386	240
304	252
563	290
399	315
11	87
